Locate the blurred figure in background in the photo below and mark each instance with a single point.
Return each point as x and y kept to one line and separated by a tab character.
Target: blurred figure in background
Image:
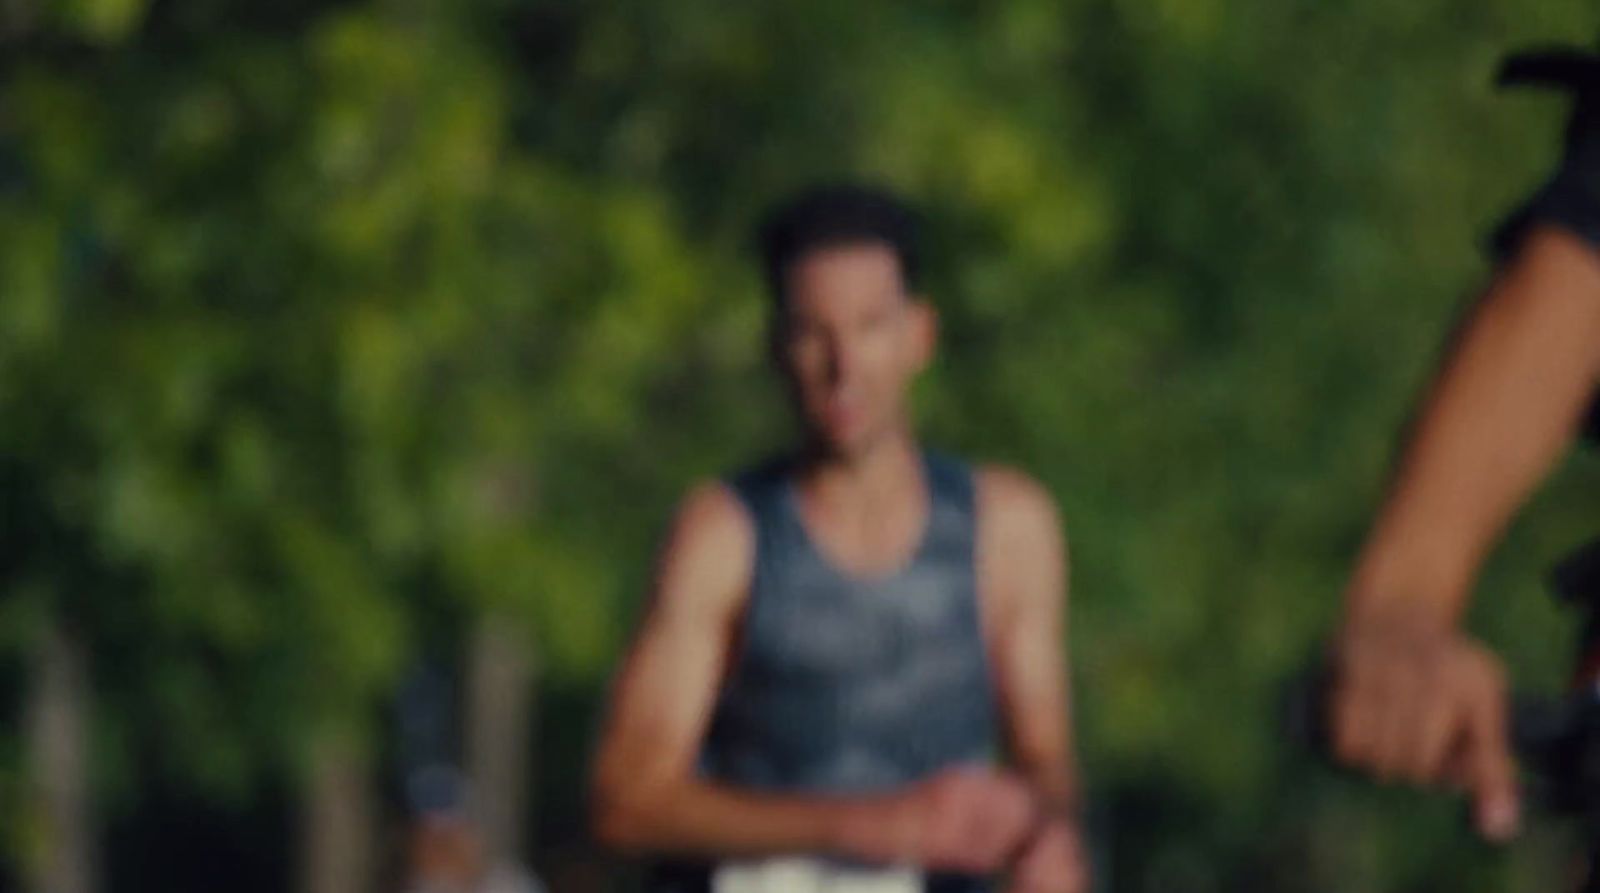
841	643
1415	698
444	848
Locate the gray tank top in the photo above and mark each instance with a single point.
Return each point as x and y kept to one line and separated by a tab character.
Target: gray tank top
846	685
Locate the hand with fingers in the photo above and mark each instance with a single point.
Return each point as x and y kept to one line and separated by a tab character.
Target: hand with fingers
964	819
1420	702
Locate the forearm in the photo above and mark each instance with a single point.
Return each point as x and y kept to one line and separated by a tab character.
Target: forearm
695	817
1055	786
1499	416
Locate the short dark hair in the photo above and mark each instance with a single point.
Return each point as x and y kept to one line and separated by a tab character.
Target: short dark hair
836	214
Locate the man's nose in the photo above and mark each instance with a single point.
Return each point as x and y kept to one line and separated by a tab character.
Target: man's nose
842	361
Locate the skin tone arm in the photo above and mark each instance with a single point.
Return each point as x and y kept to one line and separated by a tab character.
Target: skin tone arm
1022	565
646	794
1415	699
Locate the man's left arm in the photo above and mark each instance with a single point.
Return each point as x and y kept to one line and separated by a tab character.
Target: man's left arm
1022	569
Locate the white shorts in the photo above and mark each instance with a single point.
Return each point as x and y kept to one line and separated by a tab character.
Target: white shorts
799	874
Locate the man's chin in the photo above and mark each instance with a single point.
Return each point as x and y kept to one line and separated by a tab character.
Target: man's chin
842	446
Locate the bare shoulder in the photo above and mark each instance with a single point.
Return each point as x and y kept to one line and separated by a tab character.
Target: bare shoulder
1013	504
710	515
1021	551
708	552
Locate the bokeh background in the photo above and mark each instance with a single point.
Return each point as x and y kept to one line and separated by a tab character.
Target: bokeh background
347	342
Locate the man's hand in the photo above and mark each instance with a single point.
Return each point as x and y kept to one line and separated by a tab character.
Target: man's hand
1415	700
967	819
1053	861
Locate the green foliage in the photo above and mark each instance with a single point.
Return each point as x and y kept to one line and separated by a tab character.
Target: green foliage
321	321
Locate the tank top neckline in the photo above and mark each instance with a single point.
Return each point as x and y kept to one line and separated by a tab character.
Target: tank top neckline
790	495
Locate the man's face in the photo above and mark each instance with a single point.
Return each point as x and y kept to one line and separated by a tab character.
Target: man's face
850	340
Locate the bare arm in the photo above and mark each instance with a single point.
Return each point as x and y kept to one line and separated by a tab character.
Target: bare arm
1499	416
1023	568
1414	698
647	795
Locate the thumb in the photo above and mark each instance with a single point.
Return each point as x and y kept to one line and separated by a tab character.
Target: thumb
1496	802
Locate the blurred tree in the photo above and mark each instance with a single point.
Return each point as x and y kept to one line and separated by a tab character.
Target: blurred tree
330	331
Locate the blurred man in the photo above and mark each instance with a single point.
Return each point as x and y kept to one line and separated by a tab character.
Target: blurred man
1415	698
840	642
444	846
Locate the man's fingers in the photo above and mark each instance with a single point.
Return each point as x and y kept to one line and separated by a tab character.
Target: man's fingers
1436	726
1353	725
980	819
1423	703
1011	816
1396	726
1496	803
993	838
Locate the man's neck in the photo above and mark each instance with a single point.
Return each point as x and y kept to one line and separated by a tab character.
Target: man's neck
878	474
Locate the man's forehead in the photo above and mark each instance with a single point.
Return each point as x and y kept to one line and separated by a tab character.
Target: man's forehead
865	264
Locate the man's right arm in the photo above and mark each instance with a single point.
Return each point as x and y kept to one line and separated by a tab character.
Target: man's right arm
646	793
1413	697
1500	414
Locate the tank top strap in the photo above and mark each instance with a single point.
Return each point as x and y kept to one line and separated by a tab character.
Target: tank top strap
763	489
952	520
759	487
